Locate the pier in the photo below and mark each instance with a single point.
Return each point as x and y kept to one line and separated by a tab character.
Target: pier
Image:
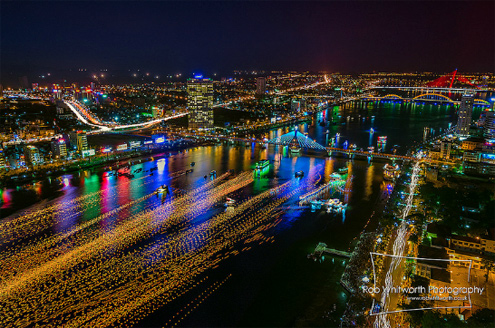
321	248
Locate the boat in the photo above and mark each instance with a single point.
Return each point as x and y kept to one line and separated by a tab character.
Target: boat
262	164
391	172
335	176
213	173
193	163
163	189
294	146
230	202
299	174
343	170
189	171
295	150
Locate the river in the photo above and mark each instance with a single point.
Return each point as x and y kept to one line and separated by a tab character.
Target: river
273	283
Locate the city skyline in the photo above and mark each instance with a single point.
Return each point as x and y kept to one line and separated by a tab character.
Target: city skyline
247	164
218	37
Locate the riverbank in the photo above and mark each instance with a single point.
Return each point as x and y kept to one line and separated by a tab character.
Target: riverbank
19	177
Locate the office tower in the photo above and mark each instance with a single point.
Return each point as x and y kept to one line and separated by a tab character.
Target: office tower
79	139
59	149
3	162
465	114
157	112
295	106
200	102
489	125
260	86
445	148
31	155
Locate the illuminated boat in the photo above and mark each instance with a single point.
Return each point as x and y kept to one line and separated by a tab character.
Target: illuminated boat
391	172
262	164
162	190
294	146
335	176
299	174
343	170
230	202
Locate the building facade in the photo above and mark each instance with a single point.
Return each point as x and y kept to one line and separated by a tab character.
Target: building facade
200	103
489	125
59	148
80	140
260	85
31	155
465	114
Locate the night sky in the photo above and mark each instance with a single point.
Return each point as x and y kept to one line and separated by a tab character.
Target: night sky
169	37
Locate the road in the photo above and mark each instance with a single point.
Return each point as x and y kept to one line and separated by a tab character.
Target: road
394	273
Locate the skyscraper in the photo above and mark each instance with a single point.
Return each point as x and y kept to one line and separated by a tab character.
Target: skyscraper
59	149
200	102
465	114
489	125
31	155
79	139
260	86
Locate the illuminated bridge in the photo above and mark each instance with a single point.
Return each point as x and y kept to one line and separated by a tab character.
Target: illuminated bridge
425	97
304	141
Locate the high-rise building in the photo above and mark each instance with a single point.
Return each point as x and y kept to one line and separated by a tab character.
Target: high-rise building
31	155
79	139
260	85
445	148
200	103
489	125
3	162
157	112
59	149
465	114
295	106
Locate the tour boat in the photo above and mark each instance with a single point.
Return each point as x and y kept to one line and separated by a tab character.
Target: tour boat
391	172
162	189
299	174
262	164
230	202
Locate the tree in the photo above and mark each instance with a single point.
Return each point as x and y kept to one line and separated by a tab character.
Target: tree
434	319
489	265
482	318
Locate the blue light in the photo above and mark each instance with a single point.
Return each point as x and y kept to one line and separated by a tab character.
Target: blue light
198	76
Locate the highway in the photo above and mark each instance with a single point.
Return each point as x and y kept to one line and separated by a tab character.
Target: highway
85	116
393	278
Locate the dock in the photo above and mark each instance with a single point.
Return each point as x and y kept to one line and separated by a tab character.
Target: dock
322	248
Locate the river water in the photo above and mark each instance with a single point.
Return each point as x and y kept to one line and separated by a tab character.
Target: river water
272	284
